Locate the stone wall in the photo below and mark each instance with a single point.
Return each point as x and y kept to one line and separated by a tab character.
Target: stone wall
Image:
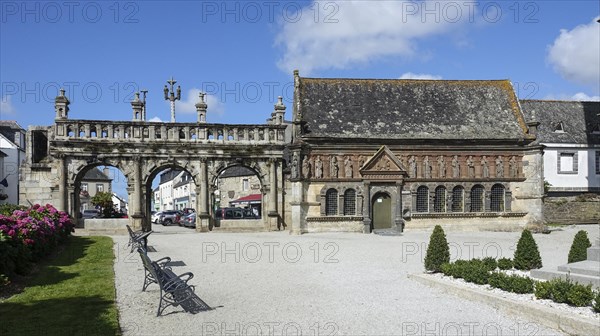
572	210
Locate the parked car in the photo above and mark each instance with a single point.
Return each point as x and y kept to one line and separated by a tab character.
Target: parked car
90	213
169	217
235	213
188	220
156	216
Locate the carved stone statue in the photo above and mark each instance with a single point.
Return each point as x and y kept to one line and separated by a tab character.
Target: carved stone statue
348	167
306	167
361	161
499	166
512	167
318	167
441	166
334	168
455	167
294	167
412	164
485	169
471	166
426	167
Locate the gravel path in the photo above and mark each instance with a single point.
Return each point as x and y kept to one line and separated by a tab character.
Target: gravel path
319	284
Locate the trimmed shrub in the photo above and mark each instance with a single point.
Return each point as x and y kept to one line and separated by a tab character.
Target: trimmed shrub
505	263
580	295
578	251
476	271
559	290
438	251
511	283
596	305
490	263
543	290
527	255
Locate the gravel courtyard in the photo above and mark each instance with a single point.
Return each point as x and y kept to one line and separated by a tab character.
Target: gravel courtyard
273	283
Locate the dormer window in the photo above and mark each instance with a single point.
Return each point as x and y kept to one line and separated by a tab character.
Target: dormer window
596	129
559	127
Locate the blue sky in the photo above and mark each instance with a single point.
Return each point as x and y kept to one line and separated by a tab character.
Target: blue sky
243	53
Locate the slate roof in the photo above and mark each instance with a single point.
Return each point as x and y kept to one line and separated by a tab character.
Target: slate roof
169	175
95	174
237	171
2	154
579	120
409	109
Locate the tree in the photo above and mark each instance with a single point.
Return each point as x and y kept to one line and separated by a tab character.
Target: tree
104	201
438	252
527	255
579	247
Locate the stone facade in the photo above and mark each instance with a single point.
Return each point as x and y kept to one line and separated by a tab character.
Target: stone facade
399	154
55	165
359	156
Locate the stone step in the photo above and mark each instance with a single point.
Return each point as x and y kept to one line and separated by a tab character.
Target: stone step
586	267
593	253
547	274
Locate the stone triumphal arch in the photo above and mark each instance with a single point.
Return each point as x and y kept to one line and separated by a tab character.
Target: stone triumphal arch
59	156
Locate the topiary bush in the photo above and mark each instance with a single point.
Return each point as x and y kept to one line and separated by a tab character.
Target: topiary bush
527	255
578	251
505	264
438	251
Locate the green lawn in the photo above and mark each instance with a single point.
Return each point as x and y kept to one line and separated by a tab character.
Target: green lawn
72	294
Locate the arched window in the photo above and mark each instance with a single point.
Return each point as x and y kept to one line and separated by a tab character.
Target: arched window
331	205
458	199
477	199
439	202
423	199
497	198
350	202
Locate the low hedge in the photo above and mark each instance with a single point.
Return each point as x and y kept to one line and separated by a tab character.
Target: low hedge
565	291
484	271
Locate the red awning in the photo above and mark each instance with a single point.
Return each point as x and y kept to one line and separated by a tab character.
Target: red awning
254	198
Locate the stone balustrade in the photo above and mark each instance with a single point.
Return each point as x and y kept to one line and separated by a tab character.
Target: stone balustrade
131	131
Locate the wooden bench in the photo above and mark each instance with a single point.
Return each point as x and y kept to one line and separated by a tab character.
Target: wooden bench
174	289
137	238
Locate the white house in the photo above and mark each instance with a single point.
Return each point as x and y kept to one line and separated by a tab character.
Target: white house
12	145
119	203
570	134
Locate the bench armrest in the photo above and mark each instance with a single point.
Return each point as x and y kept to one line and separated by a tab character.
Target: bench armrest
163	261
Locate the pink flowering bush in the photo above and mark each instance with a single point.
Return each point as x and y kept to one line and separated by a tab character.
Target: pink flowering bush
27	235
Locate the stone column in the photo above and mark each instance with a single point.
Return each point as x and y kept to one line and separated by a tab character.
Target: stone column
203	216
367	209
137	220
273	216
298	209
62	202
399	221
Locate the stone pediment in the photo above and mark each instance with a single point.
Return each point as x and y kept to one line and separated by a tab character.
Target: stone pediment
383	164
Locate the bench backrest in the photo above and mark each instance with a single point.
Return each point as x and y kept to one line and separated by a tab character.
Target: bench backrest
151	266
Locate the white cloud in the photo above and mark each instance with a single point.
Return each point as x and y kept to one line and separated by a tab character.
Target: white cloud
188	104
575	54
6	107
410	75
363	31
155	119
579	96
